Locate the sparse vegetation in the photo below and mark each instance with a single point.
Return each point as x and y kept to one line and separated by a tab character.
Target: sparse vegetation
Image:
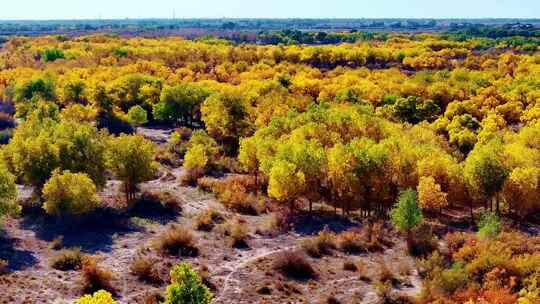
187	287
95	277
177	241
294	265
67	193
207	219
68	259
99	297
144	270
320	245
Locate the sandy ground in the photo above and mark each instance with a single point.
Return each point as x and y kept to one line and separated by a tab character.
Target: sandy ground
236	273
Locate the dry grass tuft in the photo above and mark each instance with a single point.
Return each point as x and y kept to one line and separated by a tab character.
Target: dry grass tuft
351	242
177	241
144	270
207	219
96	278
67	259
237	231
350	266
320	245
294	264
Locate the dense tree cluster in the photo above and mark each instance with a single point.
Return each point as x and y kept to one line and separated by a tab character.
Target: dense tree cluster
351	125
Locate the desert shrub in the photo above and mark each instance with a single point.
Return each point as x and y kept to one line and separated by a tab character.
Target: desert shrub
451	279
424	242
320	245
4	267
96	278
237	231
204	273
332	300
206	183
456	240
170	201
280	220
99	297
490	226
207	219
294	264
177	241
186	287
154	297
431	264
375	235
489	256
191	176
384	290
144	270
351	242
229	164
57	243
67	193
67	259
236	193
350	265
386	275
264	290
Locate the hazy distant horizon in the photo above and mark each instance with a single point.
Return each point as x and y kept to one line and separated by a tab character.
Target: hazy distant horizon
37	10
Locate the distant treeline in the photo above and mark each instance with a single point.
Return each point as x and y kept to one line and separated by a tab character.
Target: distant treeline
261	25
289	37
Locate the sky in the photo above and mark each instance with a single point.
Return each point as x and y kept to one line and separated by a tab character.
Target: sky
120	9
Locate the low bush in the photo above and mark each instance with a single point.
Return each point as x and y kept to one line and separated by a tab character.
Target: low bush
350	266
177	241
424	242
187	287
320	245
332	300
99	297
204	273
68	259
96	278
67	193
4	267
144	270
206	183
451	279
207	219
351	242
237	193
294	264
237	231
191	176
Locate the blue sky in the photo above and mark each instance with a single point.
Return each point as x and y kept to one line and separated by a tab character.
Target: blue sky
92	9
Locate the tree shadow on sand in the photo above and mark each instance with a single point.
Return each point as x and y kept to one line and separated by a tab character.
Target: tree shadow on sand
17	259
310	224
95	232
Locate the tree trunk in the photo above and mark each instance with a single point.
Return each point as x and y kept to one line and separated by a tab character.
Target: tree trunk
409	240
472	214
